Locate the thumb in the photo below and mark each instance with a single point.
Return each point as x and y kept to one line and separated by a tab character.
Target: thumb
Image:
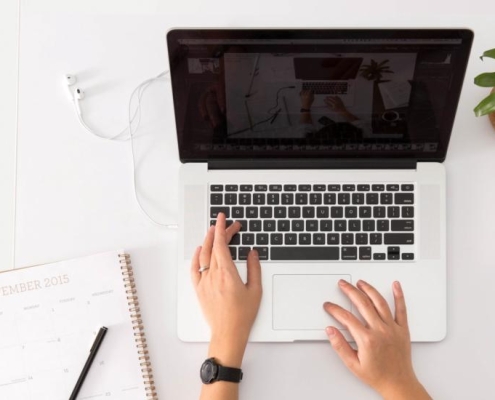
253	270
343	349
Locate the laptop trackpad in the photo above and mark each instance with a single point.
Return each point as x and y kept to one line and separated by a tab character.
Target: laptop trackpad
298	301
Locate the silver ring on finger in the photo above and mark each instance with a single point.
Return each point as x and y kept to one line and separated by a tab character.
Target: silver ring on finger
203	268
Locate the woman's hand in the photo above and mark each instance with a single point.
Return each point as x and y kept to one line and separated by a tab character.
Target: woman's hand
229	305
383	358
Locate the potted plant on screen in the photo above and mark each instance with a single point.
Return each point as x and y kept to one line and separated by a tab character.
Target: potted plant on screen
487	79
374	71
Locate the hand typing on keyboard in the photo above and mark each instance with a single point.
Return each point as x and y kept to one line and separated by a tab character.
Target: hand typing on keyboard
383	358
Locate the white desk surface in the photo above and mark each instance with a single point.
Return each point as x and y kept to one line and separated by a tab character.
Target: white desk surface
74	193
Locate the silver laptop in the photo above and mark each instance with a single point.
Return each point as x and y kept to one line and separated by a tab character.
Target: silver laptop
340	192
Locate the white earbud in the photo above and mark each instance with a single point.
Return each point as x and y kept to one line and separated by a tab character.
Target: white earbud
70	81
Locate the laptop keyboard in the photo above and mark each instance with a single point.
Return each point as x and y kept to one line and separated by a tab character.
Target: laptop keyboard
333	222
326	87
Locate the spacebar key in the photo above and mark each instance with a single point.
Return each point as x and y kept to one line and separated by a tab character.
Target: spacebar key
304	253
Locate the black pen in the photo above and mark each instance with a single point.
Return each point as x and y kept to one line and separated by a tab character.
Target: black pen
92	354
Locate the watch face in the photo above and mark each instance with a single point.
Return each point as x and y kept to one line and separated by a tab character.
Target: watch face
209	371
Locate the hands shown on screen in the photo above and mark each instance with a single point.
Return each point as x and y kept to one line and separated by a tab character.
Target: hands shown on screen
212	104
383	356
229	305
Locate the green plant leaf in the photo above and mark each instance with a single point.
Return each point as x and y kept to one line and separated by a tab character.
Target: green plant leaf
486	106
485	80
489	54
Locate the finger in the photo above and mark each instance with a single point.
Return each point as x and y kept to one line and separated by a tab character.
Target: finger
343	349
346	318
400	305
206	249
362	302
222	254
222	103
195	274
253	271
213	109
232	230
202	107
379	302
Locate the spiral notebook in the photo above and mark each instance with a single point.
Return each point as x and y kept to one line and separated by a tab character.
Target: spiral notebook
49	316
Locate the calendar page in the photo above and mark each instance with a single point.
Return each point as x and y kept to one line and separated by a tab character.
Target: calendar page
49	317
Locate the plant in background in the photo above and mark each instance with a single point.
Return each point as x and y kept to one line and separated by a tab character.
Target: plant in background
374	71
487	79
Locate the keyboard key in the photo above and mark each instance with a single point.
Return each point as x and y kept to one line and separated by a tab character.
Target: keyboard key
315	198
347	238
301	198
305	238
236	239
351	212
243	252
349	253
371	198
322	212
407	212
269	225
262	252
344	198
216	199
275	188
393	256
273	198
233	252
379	212
258	198
290	188
354	225
308	212
333	188
358	198
276	239
386	198
349	188
393	188
231	188
368	225
266	212
262	238
294	212
340	225
246	188
365	253
214	211
311	225
403	225
297	225
251	212
216	188
382	225
304	253
280	212
255	225
364	212
361	238
376	238
245	198
379	256
407	188
287	198
329	198
378	188
244	224
283	225
290	238
304	188
231	198
337	212
393	212
326	225
260	188
318	238
404	198
408	256
333	238
319	188
237	212
363	188
247	238
399	238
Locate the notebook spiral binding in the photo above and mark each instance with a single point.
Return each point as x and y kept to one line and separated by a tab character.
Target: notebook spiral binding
137	323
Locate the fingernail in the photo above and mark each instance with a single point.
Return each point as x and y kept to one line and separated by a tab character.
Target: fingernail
342	282
255	253
397	287
330	331
326	303
360	283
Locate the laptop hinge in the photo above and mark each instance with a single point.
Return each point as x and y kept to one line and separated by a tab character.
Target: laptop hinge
345	163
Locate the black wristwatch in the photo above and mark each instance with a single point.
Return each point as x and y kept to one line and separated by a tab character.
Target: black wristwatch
211	371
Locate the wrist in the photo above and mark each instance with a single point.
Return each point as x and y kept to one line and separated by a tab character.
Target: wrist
228	352
411	390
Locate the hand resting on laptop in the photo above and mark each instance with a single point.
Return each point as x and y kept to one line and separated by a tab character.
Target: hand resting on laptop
383	356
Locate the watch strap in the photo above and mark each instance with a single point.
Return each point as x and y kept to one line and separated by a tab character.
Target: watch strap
229	374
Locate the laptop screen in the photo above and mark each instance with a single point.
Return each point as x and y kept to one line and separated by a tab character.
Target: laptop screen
247	94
